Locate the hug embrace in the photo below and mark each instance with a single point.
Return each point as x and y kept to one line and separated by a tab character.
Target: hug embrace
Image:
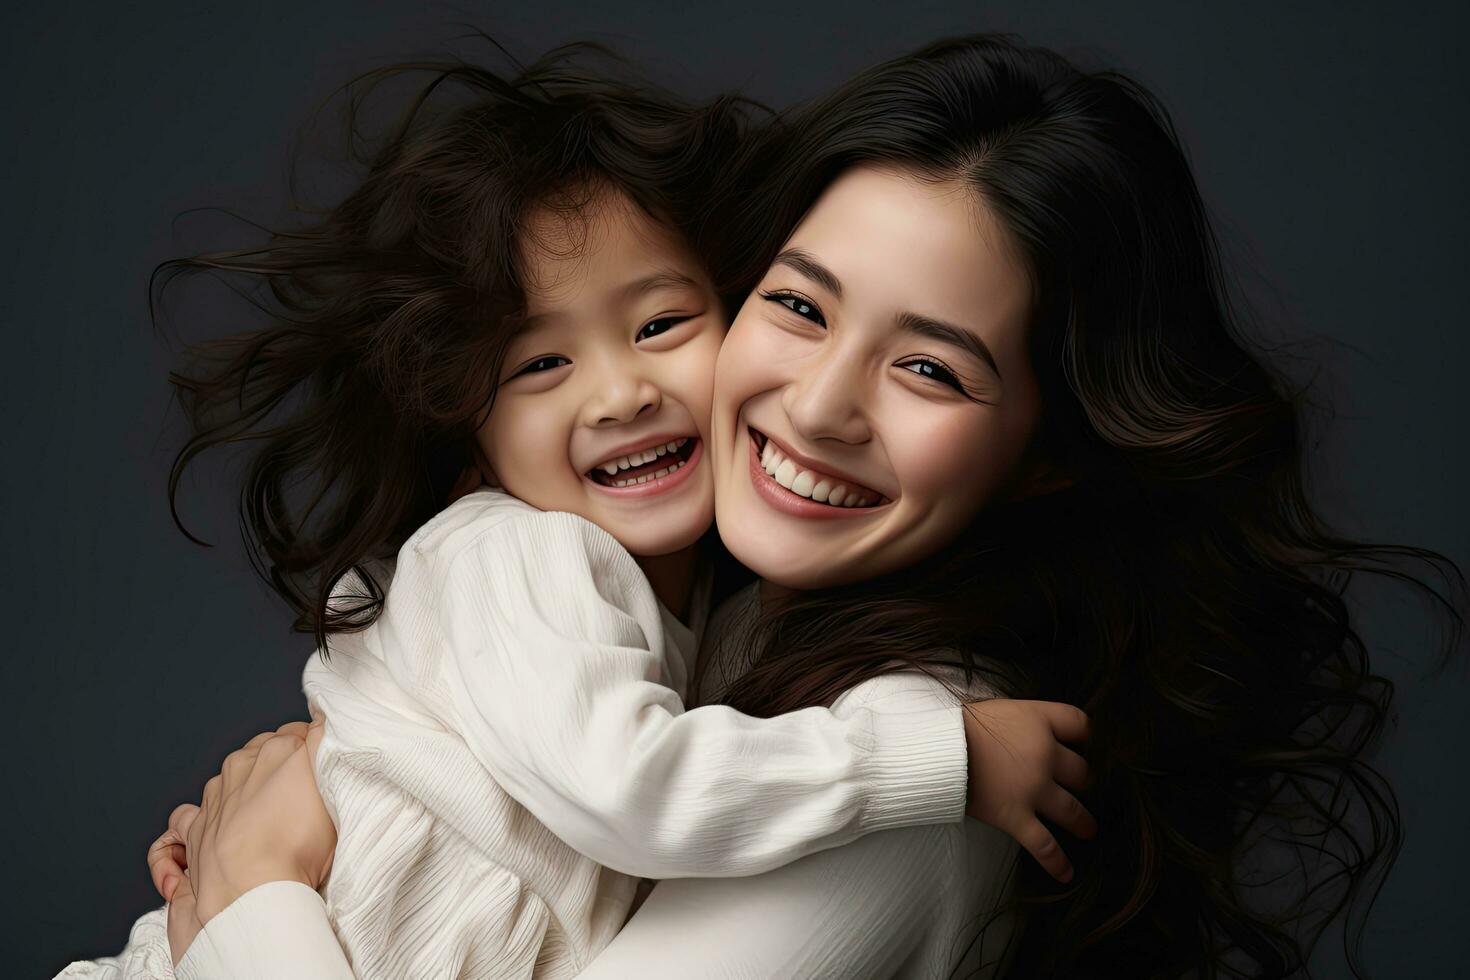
854	541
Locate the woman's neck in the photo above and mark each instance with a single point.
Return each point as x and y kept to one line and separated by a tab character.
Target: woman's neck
672	578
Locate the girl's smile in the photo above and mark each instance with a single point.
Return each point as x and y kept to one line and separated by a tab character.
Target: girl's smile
650	469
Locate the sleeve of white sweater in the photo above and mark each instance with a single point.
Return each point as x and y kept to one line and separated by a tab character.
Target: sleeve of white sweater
275	931
869	909
554	667
917	901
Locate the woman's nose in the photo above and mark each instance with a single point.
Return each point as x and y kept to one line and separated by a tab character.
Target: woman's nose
826	401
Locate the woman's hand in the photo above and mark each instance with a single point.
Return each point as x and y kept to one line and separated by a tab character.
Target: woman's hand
260	820
1020	771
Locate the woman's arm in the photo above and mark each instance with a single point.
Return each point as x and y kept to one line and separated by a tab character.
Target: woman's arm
275	930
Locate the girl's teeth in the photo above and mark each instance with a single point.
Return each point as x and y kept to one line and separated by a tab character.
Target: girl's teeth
803	484
633	481
641	457
835	497
821	491
785	474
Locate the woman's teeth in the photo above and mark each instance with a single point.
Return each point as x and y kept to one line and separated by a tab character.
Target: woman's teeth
612	466
805	483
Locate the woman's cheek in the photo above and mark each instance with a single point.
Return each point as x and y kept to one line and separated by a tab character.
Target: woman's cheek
760	355
949	461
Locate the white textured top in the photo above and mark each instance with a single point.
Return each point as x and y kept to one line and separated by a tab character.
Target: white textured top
507	744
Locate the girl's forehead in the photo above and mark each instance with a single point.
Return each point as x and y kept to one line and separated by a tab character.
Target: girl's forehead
604	250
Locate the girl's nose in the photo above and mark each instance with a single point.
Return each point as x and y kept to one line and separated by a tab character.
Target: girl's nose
619	398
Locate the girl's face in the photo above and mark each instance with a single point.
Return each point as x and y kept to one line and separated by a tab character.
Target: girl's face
604	398
875	390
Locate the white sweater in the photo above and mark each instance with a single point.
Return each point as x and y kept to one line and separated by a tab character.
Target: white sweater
510	735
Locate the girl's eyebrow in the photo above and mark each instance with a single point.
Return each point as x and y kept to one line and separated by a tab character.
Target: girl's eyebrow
662	279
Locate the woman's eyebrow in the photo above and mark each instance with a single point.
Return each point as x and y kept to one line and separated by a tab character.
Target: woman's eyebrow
947	333
806	264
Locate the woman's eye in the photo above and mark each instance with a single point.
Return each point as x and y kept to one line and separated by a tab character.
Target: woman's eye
662	325
546	363
801	307
935	371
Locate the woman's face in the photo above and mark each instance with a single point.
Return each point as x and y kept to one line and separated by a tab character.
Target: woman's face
875	390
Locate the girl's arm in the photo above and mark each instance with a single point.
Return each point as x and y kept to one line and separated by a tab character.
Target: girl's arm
904	902
550	662
879	907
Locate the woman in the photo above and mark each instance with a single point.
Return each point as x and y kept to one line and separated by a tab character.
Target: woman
983	285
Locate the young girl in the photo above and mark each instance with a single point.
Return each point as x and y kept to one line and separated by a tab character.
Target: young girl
516	286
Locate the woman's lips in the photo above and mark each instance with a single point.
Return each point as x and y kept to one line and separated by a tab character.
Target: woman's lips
794	503
657	485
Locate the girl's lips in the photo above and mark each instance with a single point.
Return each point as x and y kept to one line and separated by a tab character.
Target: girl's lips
794	503
658	485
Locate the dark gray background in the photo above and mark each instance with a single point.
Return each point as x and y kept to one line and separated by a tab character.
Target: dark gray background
1328	139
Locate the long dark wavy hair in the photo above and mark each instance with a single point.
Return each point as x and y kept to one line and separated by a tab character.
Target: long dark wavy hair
382	320
1184	590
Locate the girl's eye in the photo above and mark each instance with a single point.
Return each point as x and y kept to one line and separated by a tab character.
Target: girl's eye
540	364
660	326
934	370
803	308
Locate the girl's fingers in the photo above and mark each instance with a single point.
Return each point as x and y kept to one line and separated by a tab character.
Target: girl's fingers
1069	723
167	859
238	763
181	817
208	807
272	756
1070	769
1067	812
314	733
1041	845
183	920
256	740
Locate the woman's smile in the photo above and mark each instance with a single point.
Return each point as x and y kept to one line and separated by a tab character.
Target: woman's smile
794	488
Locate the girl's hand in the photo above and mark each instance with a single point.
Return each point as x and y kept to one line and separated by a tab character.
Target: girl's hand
1020	771
260	820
